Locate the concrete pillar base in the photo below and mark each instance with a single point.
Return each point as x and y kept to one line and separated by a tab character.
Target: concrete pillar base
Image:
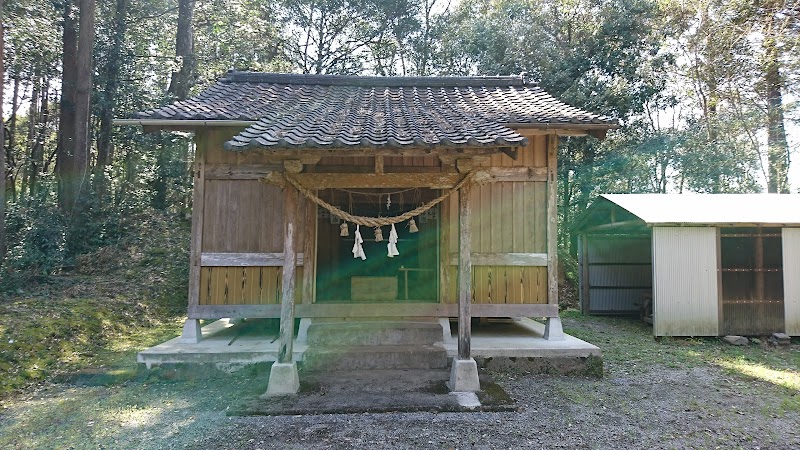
464	376
553	330
283	379
302	332
447	335
191	332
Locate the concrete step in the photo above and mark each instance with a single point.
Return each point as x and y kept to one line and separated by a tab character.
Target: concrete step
374	333
374	357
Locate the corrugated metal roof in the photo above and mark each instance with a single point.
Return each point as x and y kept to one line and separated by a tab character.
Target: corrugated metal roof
711	209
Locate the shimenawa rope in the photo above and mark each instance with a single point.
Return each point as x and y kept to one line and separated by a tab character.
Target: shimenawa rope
376	221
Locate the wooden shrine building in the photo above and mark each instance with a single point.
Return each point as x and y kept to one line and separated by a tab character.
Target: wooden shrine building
297	174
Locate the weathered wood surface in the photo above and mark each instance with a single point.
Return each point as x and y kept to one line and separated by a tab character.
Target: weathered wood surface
195	247
506	285
310	249
464	271
343	310
504	259
239	172
290	195
242	216
552	220
377	180
238	285
245	259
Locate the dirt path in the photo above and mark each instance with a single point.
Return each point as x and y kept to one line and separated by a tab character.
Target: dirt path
667	394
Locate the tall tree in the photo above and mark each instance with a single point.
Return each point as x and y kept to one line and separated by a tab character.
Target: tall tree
346	36
183	78
111	75
2	140
65	166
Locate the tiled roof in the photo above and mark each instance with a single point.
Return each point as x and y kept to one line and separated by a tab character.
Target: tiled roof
329	111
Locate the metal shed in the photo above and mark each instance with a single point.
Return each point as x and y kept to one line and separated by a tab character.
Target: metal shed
707	264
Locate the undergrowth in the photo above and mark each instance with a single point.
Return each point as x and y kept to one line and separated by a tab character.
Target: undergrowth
116	299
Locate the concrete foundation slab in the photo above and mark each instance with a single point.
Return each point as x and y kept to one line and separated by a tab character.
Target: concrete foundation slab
231	347
227	346
377	391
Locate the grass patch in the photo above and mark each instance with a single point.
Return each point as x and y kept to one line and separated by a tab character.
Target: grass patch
43	339
118	300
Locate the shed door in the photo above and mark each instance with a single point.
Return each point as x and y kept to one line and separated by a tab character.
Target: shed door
685	294
791	280
751	266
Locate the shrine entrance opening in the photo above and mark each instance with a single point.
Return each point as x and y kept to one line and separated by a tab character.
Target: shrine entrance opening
411	276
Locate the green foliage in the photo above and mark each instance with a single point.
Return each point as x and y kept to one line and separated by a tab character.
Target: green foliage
36	238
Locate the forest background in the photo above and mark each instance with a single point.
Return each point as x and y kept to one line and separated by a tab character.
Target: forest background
706	92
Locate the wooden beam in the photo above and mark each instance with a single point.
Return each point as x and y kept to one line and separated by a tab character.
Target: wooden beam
464	165
504	259
511	152
293	165
355	310
464	271
246	259
338	168
310	248
196	245
377	181
239	172
379	164
516	173
532	132
290	195
552	220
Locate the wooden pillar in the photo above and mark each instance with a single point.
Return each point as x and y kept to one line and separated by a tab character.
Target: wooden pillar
288	280
464	271
552	219
195	248
309	252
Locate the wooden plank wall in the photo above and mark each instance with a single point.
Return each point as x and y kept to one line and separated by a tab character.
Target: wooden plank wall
508	217
241	216
245	216
244	285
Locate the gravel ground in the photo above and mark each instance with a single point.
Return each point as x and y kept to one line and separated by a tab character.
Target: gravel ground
656	394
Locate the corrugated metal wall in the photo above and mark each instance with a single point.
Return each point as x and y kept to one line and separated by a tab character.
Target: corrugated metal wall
619	272
685	290
791	280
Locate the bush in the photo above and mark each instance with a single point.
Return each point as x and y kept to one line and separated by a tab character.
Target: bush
36	237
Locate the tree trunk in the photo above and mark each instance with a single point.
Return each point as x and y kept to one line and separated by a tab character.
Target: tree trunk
37	151
182	80
777	147
33	121
3	144
105	146
66	121
12	132
77	163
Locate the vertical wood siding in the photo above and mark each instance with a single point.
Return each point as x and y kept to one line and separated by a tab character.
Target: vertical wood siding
244	285
242	216
507	217
791	280
685	289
